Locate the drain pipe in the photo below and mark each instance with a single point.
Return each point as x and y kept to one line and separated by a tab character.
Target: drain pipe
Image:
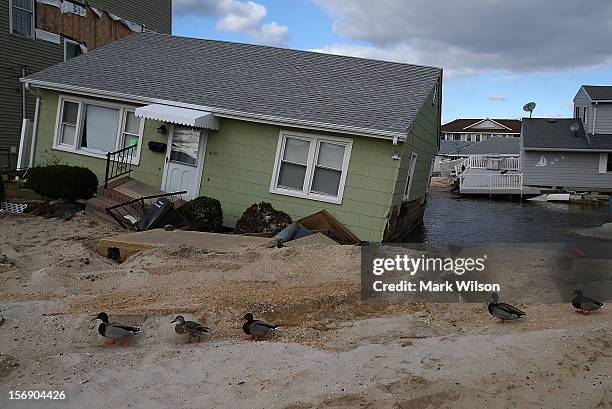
35	124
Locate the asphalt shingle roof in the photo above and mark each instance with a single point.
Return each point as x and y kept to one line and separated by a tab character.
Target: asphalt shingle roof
459	125
549	133
494	146
599	92
490	146
260	81
449	147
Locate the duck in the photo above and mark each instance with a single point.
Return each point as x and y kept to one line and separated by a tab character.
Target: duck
584	304
191	328
257	329
503	311
114	330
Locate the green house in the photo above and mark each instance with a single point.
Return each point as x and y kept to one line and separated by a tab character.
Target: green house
244	123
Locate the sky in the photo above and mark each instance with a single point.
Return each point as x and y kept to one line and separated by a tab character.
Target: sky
496	55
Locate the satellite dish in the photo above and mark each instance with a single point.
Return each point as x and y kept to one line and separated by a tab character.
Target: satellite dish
574	127
529	107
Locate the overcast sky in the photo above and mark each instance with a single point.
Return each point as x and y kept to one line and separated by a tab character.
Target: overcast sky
496	54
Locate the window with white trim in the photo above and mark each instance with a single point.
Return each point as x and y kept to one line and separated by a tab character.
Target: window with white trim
22	17
71	49
94	128
68	125
311	166
413	160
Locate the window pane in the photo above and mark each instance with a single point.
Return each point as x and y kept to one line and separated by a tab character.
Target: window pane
24	4
326	181
331	155
132	123
296	150
292	176
22	22
68	133
100	128
70	112
185	146
72	50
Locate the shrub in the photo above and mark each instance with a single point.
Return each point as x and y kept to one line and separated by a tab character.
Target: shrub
203	213
262	218
64	182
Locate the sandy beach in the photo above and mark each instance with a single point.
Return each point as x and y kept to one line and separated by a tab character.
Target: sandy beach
331	350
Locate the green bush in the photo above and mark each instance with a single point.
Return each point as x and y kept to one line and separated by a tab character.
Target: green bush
203	213
262	218
64	182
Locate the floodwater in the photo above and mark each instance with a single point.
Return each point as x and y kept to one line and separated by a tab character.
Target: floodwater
459	220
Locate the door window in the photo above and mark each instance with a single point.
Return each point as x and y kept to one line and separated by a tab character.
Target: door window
185	146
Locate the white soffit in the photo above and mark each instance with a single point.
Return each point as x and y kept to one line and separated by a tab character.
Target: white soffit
177	115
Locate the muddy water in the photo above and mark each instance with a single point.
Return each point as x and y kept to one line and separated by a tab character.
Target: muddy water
454	220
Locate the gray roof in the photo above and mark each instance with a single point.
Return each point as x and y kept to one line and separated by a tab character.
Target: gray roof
491	146
599	92
451	147
494	146
553	133
251	81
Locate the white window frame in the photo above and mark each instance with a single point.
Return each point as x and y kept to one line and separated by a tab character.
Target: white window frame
68	41
410	176
33	20
314	140
76	146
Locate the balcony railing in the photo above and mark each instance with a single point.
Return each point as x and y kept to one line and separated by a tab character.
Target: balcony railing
119	163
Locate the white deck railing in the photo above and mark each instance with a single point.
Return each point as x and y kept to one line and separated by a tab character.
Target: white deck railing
492	181
448	166
486	162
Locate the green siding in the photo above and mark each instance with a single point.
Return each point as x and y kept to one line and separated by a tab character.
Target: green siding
423	140
239	162
238	171
149	170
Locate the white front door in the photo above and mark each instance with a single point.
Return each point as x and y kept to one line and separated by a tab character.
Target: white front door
184	160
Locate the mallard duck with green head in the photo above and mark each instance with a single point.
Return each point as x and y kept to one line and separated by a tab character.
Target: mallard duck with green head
115	331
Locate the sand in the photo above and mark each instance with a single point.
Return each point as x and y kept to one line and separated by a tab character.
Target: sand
331	351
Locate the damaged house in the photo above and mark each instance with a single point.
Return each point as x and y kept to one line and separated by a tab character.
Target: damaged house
244	123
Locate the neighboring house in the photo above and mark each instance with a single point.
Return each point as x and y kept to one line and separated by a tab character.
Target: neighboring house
553	156
244	124
35	34
572	153
476	130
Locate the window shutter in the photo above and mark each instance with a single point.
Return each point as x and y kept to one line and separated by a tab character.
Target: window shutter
603	162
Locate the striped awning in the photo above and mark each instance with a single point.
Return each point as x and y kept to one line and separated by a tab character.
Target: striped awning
178	115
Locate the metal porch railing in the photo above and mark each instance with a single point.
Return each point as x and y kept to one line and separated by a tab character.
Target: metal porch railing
119	163
126	214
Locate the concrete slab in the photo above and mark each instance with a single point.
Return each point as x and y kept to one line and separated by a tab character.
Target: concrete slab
124	245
